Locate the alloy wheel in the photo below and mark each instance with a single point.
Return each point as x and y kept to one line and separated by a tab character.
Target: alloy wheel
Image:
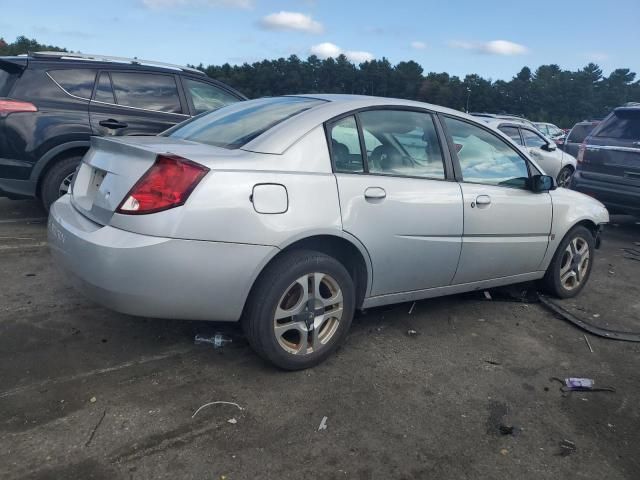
575	263
65	185
308	314
564	178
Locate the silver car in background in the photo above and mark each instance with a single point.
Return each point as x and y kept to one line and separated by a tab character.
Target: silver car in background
290	213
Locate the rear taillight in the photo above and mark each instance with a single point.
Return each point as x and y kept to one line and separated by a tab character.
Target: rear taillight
8	106
581	150
167	184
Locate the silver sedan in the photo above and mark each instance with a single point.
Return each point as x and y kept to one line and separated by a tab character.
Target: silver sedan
290	213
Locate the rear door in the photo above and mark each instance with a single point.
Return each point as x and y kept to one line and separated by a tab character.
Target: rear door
506	225
612	151
136	103
398	197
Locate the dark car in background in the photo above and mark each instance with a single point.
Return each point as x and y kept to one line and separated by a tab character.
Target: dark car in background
576	136
51	103
609	161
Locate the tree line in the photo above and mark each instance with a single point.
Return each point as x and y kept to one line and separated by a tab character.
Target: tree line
548	94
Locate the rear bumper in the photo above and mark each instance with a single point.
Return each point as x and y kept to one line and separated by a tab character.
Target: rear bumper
154	276
617	197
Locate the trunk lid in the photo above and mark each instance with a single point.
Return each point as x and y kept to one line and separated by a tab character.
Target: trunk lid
113	165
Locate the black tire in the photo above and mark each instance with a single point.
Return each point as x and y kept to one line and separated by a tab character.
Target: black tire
564	177
277	280
552	282
53	178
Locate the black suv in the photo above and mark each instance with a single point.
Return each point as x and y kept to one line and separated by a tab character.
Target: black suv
576	136
609	161
51	103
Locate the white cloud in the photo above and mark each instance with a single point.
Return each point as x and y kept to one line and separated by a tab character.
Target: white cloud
157	4
417	45
494	47
597	56
291	21
328	49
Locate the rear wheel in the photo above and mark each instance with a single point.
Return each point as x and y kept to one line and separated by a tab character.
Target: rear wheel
57	180
564	177
571	265
301	310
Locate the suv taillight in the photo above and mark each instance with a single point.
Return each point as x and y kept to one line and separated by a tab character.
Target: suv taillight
8	106
167	184
581	150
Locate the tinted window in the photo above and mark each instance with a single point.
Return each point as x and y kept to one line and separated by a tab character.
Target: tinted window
206	96
485	158
104	91
623	124
579	132
148	91
512	133
7	79
235	125
345	146
532	139
76	82
402	143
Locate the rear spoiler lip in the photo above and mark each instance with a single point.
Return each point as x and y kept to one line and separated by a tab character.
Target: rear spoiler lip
20	62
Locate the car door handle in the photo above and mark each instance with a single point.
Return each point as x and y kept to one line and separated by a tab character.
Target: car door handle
375	193
113	124
482	201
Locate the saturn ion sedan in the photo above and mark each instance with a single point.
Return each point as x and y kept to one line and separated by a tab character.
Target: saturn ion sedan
290	213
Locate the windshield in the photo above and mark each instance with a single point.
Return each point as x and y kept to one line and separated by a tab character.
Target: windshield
236	125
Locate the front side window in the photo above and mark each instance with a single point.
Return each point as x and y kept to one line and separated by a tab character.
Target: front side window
147	91
345	145
78	82
400	142
206	96
235	125
623	124
485	158
532	139
513	133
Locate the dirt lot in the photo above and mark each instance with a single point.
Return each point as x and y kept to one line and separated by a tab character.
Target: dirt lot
87	393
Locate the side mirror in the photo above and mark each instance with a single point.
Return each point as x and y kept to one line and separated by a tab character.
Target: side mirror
549	147
541	183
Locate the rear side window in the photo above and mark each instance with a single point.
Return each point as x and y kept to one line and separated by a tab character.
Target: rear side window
206	96
235	125
623	124
345	146
579	132
147	91
512	133
77	82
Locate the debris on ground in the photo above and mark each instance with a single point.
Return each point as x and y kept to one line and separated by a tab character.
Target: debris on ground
487	295
492	362
567	447
588	344
232	421
95	429
93	399
412	307
577	384
412	333
218	340
323	424
219	402
506	429
504	451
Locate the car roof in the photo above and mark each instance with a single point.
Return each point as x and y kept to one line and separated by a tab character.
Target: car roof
280	137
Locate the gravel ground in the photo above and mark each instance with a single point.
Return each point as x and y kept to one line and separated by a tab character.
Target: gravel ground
90	394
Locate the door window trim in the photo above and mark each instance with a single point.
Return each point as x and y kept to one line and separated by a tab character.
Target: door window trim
447	160
71	94
115	96
531	169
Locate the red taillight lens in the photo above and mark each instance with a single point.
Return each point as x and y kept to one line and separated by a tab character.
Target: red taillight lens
15	106
167	184
581	150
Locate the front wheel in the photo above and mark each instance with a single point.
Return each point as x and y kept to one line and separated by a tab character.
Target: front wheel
564	177
300	310
571	265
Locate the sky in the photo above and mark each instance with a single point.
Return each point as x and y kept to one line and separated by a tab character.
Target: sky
494	38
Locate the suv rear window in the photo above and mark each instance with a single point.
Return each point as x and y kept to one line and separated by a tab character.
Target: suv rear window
76	82
147	91
207	97
623	124
579	132
233	126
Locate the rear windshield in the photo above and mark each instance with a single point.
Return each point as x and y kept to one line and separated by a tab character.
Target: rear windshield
236	125
623	124
579	132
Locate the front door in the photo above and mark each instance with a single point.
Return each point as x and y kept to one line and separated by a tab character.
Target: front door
506	226
396	198
132	103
